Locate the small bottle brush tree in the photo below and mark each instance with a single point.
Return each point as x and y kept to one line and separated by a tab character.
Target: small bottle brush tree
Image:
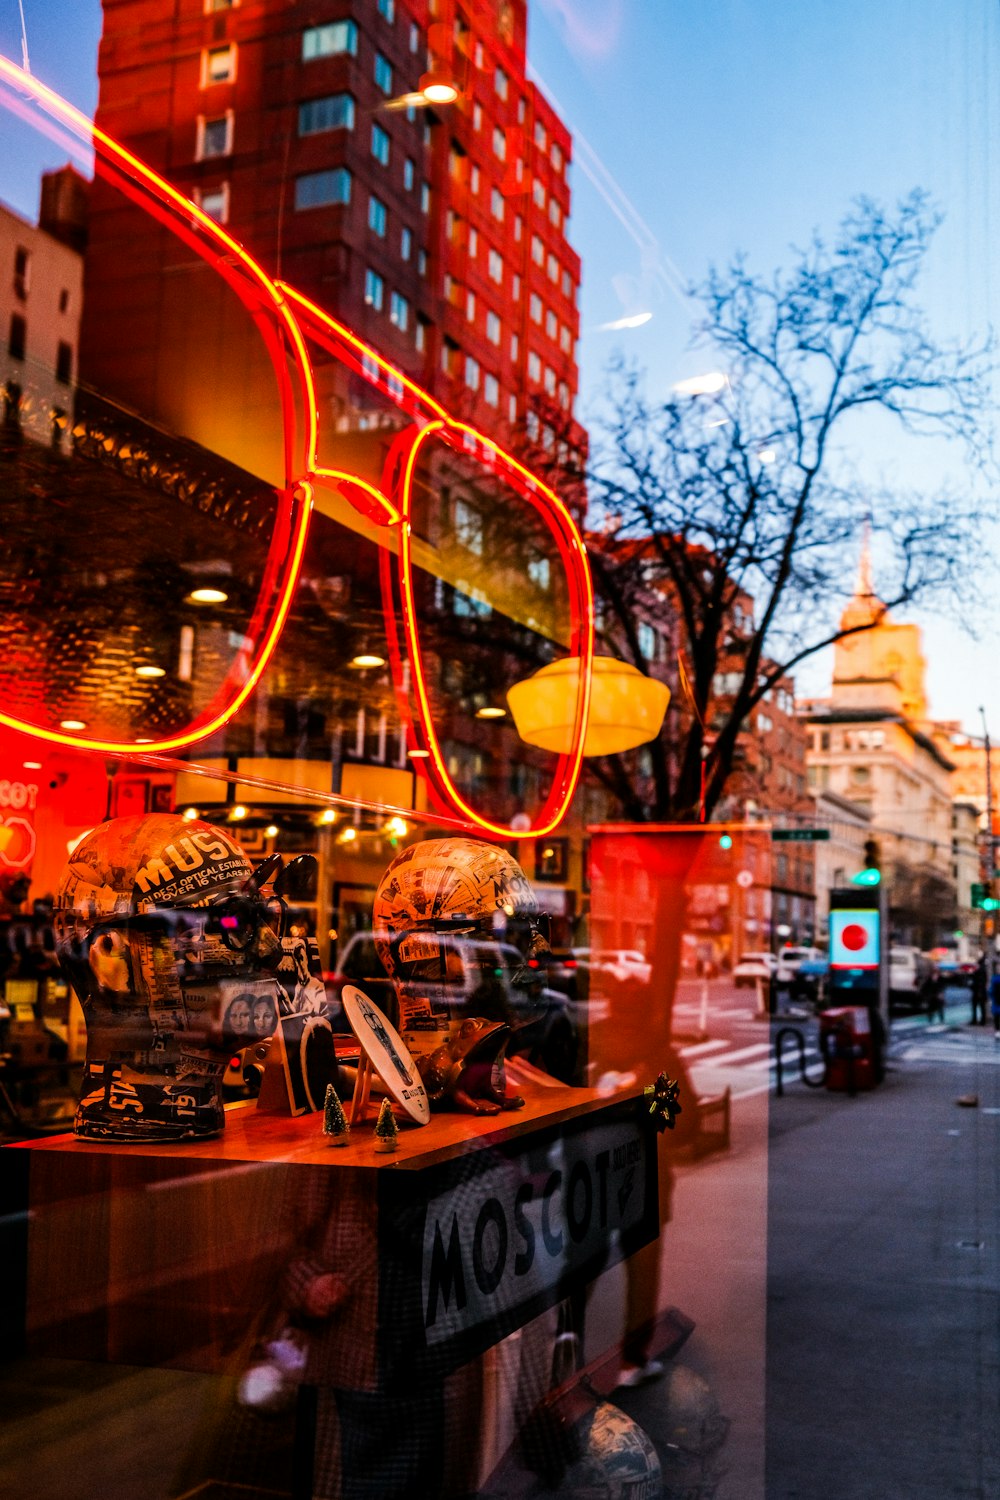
334	1120
386	1134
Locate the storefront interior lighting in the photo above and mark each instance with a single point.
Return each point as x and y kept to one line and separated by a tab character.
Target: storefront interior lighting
271	831
238	813
418	754
366	659
328	816
397	828
150	671
348	836
207	596
626	708
491	713
189	814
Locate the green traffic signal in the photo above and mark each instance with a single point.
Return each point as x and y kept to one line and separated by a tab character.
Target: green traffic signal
990	903
866	877
725	841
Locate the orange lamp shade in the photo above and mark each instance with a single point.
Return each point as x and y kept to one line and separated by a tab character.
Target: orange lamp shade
626	708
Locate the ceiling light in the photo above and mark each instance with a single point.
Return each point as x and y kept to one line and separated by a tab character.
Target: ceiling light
150	671
418	754
397	827
271	831
328	815
491	713
207	596
348	836
438	88
189	814
701	385
72	724
238	812
366	660
32	765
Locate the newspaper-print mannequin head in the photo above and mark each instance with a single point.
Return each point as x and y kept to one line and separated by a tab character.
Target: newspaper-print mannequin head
456	923
162	932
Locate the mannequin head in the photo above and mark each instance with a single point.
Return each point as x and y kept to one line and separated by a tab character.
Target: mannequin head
164	932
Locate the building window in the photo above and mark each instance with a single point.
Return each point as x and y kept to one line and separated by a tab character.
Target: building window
383	73
550	381
540	573
22	262
405	244
567	284
537	250
213	5
491	390
386	9
414	36
473	243
218	65
496	205
555	213
474	180
320	189
471	373
551	325
378	216
17	338
534	366
531	425
374	290
499	143
421	262
500	83
214	202
553	270
64	362
518	227
477	117
512	408
215	137
420	336
557	157
380	145
565	339
399	312
408	174
425	197
516	288
329	40
535	308
333	112
538	192
539	135
493	328
515	346
494	267
469	520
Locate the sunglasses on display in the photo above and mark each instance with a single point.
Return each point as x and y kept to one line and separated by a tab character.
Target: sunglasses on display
175	469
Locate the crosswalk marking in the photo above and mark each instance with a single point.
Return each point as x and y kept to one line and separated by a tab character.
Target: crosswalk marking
700	1047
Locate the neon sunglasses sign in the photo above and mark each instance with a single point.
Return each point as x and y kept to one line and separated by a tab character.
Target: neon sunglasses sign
286	320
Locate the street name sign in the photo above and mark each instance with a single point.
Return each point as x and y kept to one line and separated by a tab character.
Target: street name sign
799	835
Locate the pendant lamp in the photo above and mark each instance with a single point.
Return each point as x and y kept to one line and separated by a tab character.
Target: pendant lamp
626	708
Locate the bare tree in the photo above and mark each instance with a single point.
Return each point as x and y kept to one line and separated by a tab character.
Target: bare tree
751	490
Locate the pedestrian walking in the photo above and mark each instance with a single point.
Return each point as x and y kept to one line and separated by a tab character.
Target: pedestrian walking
995	1005
934	995
979	988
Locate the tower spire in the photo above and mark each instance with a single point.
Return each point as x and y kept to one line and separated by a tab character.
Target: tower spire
864	587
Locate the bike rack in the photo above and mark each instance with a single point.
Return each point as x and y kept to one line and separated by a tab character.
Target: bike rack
800	1042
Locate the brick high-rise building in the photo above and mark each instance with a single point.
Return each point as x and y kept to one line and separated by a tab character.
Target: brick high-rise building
437	234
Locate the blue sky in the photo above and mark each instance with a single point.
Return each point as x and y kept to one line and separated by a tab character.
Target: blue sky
745	125
741	124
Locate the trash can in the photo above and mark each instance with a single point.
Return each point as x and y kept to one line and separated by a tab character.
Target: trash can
848	1048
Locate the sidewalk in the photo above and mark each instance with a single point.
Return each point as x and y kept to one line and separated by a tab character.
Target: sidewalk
883	1281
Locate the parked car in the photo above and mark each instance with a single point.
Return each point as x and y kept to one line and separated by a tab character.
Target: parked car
622	964
909	970
753	967
790	960
484	978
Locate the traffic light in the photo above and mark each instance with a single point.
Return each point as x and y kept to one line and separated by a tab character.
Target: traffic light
871	874
725	841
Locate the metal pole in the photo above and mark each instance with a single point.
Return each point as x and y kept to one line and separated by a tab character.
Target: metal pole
986	860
